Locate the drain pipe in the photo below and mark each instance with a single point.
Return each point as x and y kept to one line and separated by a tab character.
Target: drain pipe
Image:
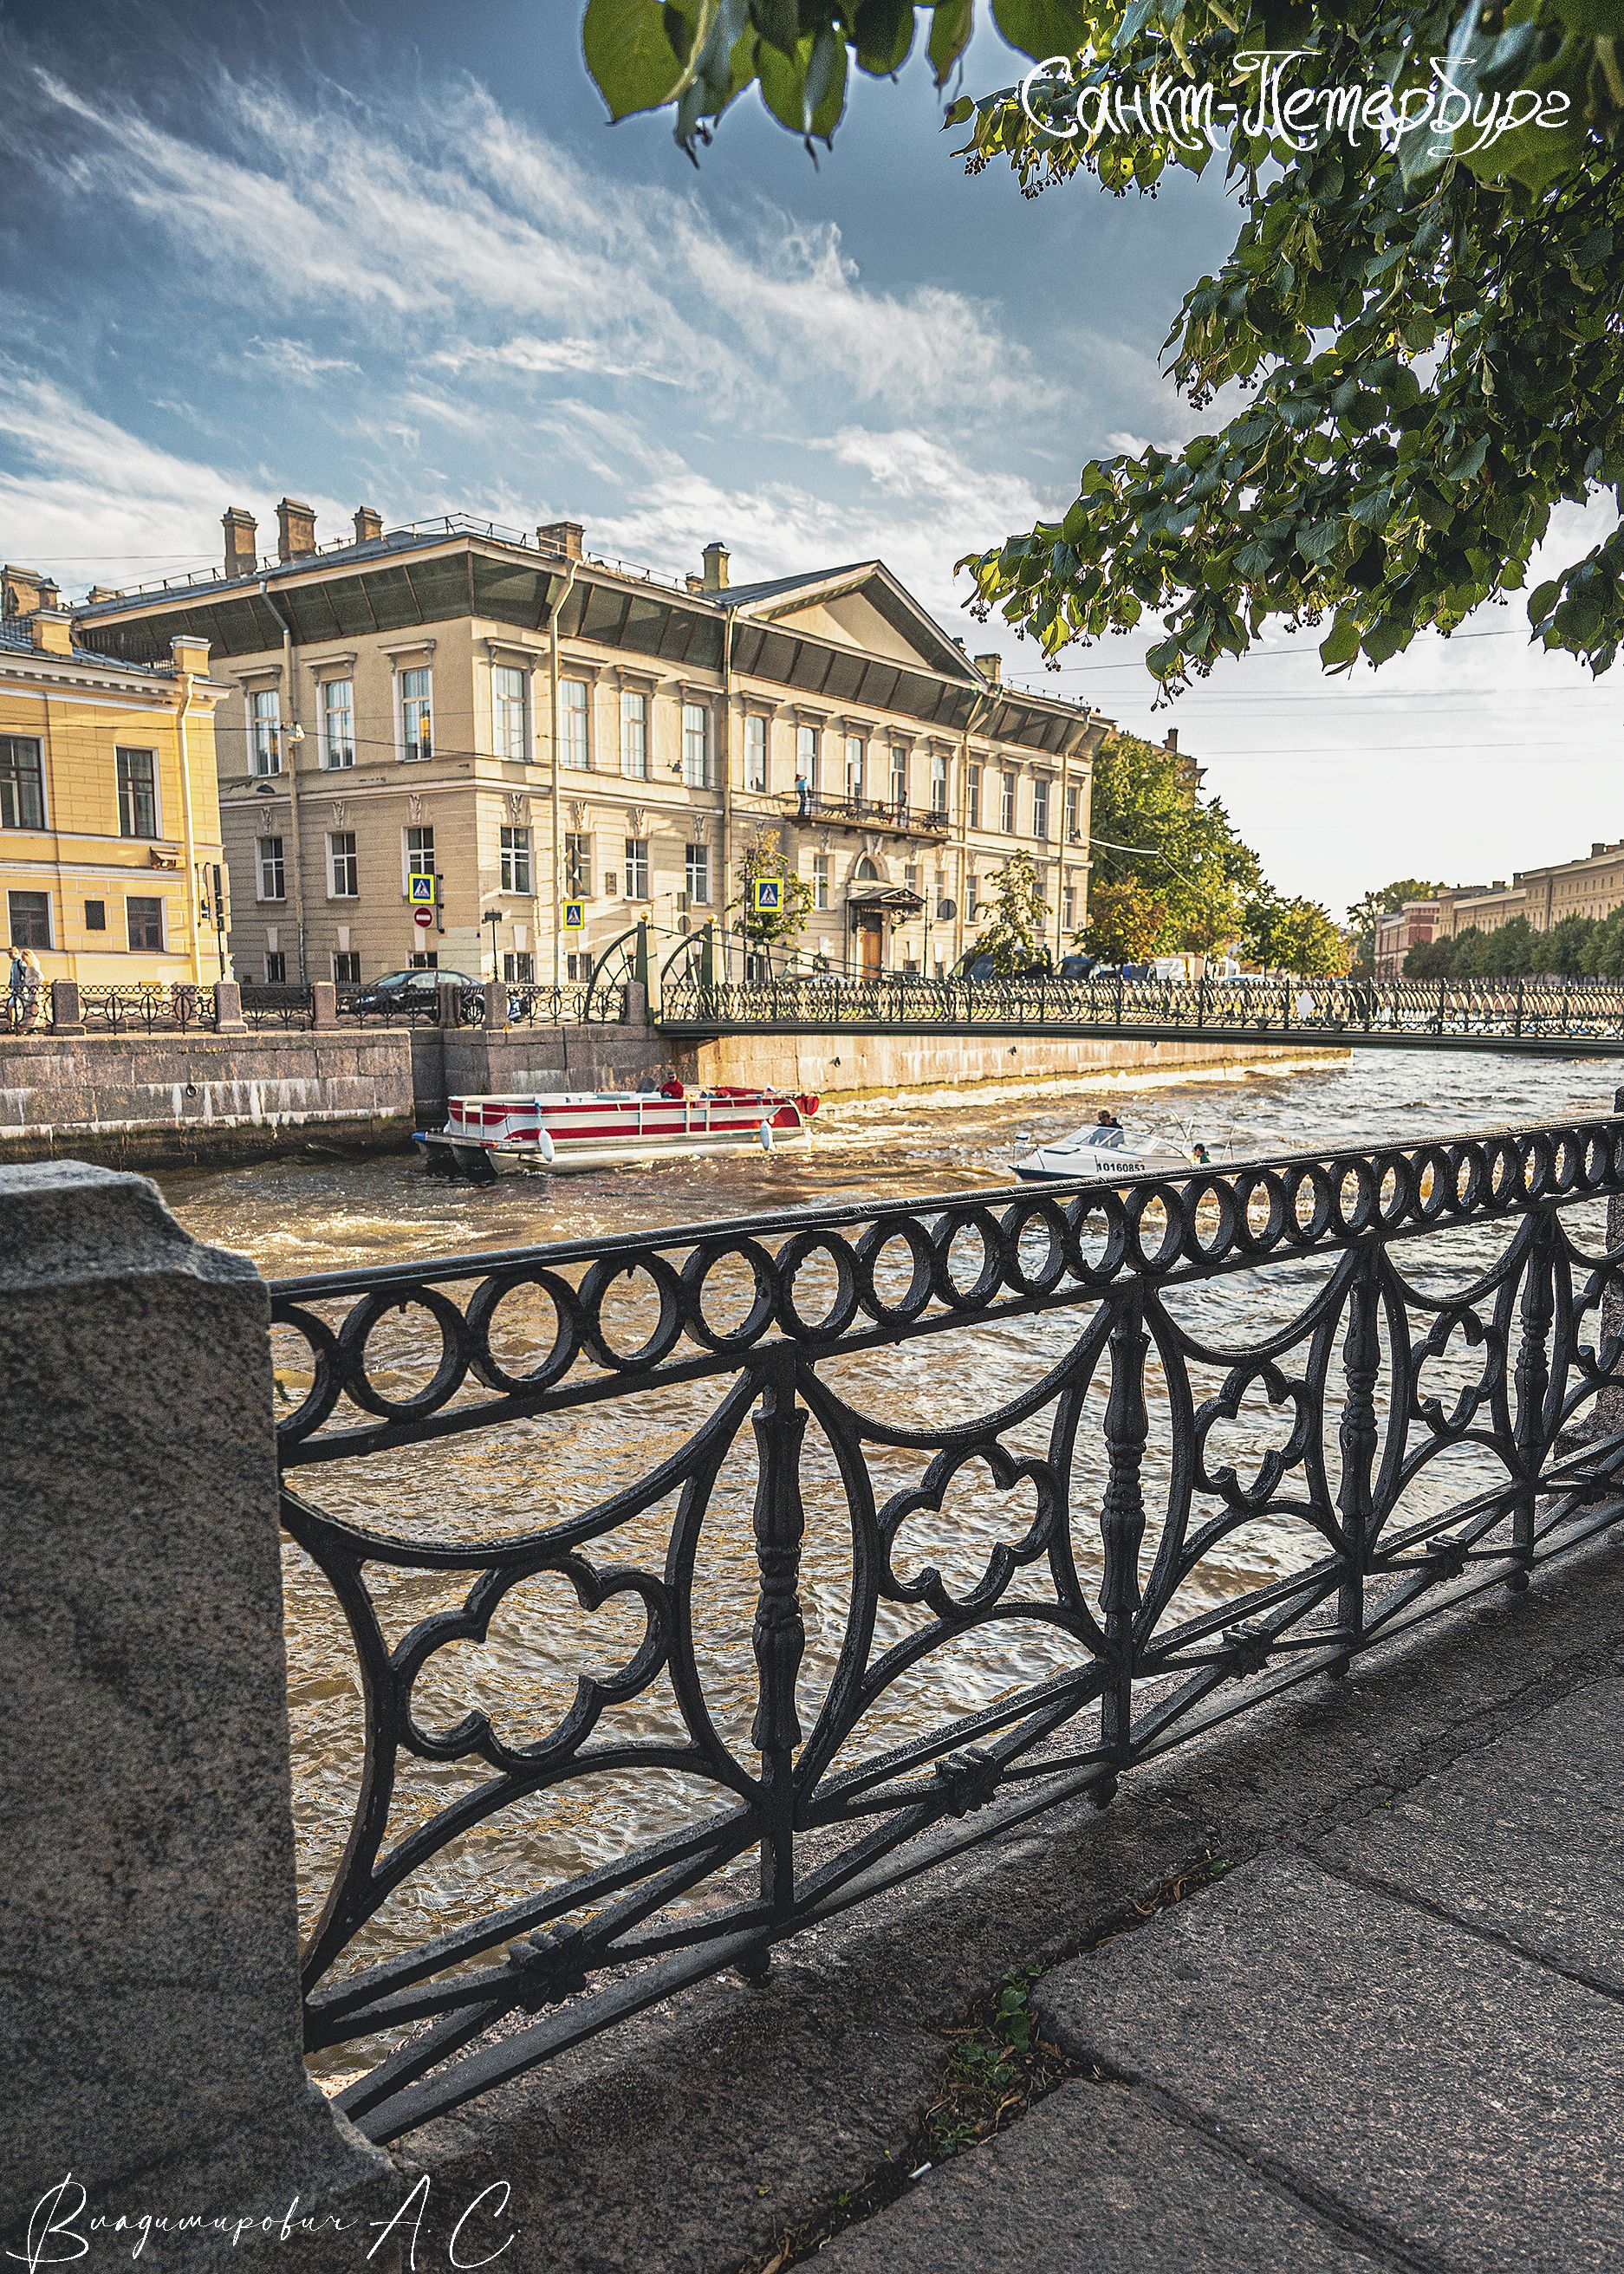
194	941
557	808
293	737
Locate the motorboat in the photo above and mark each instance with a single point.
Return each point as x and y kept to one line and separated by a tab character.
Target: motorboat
1106	1153
566	1130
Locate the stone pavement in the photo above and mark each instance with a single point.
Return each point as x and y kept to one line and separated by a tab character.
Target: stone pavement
1397	2042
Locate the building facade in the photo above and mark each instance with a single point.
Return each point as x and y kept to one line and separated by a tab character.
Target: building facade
1591	886
542	731
1414	925
111	864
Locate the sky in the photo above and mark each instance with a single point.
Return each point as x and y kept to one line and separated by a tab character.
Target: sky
394	254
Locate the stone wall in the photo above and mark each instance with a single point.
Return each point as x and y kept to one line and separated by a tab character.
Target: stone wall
152	1100
835	1065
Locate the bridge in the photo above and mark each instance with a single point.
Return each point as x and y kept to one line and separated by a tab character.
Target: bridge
1545	1017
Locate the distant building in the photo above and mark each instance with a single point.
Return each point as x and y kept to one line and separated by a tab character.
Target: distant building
109	817
1413	925
534	726
1591	886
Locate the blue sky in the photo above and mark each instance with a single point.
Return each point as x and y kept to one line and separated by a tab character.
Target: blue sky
394	255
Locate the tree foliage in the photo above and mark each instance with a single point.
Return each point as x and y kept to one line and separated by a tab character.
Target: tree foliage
1577	947
1180	852
1016	936
1293	935
765	855
1126	921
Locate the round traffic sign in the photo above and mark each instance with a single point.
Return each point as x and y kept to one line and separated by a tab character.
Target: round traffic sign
423	918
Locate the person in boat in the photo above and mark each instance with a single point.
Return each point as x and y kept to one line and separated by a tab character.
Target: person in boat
1107	1119
1201	1156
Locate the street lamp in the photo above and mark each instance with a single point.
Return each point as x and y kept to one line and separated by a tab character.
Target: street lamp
494	916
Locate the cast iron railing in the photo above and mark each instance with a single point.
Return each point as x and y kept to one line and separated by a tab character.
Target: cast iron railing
145	1008
1178	1499
1530	1012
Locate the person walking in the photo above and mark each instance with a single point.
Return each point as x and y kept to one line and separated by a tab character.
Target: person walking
33	988
16	988
803	798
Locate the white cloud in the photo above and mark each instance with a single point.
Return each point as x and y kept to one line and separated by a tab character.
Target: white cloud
297	360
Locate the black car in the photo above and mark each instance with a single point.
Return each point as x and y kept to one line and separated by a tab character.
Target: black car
409	994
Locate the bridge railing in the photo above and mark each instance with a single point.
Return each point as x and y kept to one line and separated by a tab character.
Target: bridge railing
661	1595
1513	1008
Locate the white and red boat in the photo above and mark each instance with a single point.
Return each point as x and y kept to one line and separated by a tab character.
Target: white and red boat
608	1129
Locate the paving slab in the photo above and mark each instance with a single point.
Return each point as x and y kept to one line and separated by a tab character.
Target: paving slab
1525	1837
1096	2178
1454	2097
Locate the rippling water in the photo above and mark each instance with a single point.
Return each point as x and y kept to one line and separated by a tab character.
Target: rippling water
502	1483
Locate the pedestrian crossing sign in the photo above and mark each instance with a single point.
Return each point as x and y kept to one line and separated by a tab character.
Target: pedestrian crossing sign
767	893
420	892
574	915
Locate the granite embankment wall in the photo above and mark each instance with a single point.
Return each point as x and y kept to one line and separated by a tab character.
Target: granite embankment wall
174	1099
171	1099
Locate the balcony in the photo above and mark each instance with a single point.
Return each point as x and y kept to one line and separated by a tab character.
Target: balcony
870	813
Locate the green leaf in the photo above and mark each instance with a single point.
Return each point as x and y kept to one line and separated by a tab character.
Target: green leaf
884	33
778	23
952	23
628	52
1341	643
823	91
1041	28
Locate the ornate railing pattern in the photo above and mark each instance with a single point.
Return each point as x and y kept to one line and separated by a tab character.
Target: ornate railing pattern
1516	1010
578	1002
147	1008
1422	1404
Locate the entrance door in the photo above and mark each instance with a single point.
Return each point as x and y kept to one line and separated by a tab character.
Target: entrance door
871	945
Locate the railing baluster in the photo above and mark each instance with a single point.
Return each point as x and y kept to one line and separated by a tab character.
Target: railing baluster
1122	1524
1357	1439
779	1636
1532	1380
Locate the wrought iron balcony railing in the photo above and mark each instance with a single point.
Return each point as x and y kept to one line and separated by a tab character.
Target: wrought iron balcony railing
895	816
665	1594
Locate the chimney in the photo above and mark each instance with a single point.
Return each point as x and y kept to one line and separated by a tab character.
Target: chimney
295	531
101	593
368	526
695	583
51	630
991	668
189	654
242	541
561	537
716	566
1170	742
1594	849
24	590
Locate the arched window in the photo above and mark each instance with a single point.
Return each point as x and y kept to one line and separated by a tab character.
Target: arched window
865	872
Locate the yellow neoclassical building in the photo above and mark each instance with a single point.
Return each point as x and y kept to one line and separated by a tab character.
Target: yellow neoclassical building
110	860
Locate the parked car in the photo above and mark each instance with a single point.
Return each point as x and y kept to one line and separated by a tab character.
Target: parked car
1076	967
408	993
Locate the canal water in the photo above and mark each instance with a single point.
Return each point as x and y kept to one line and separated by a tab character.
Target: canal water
513	1481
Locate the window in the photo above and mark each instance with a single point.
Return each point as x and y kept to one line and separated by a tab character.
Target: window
1040	806
338	722
507	721
899	777
424	959
577	967
973	797
755	753
575	750
275	968
138	793
577	866
696	867
973	886
853	765
1068	907
820	880
939	782
416	713
516	860
144	924
346	871
518	966
265	730
1073	827
696	745
95	916
910	875
272	872
419	847
635	736
1006	804
808	752
346	965
30	914
22	783
636	868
